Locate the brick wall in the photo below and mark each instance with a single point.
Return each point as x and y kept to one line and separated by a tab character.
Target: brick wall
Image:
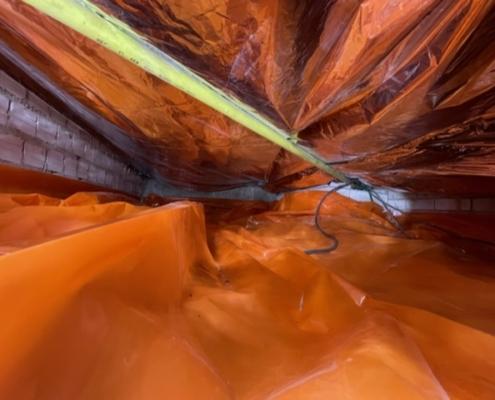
401	201
35	136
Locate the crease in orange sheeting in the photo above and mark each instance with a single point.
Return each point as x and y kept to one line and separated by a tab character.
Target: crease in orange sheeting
103	299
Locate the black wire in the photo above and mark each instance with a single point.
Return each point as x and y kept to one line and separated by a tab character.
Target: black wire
390	215
335	241
374	197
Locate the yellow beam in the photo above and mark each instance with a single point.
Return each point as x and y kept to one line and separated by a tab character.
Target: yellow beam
87	19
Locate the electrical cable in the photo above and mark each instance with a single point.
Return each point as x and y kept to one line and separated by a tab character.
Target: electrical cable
335	241
374	197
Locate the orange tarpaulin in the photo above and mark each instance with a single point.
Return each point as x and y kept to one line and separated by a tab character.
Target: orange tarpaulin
402	92
101	299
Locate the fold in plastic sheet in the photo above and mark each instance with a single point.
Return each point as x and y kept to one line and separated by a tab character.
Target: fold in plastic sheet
403	91
106	300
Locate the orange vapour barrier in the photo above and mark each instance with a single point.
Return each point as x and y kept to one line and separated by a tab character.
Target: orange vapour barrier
101	299
399	92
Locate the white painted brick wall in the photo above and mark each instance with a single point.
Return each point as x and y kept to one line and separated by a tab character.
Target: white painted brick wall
34	155
414	202
36	136
10	147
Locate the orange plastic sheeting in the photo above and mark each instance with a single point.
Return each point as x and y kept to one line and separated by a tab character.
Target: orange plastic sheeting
401	92
120	302
15	179
29	219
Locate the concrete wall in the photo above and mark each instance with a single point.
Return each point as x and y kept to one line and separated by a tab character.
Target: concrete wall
35	136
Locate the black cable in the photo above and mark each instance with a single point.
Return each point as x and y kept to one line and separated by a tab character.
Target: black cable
335	241
390	215
374	197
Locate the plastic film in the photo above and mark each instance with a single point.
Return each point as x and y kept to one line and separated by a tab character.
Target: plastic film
401	92
136	303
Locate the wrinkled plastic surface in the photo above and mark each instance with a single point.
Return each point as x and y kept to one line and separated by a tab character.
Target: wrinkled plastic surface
21	180
106	300
403	91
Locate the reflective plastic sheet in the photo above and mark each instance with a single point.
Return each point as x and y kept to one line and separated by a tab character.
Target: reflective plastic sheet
401	92
104	300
